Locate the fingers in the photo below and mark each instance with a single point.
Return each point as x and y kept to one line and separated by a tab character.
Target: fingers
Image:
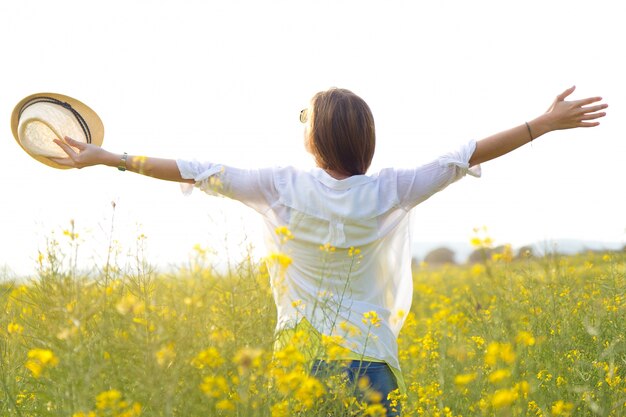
586	101
69	150
566	93
588	124
592	116
75	143
592	109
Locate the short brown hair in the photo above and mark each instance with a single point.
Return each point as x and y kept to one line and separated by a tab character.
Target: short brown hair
341	131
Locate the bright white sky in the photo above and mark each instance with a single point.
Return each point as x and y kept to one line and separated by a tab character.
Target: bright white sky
225	81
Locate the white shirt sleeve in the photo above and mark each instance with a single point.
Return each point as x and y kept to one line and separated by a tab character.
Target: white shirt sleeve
418	184
253	187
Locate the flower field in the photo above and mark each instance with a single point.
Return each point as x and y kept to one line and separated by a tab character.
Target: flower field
528	337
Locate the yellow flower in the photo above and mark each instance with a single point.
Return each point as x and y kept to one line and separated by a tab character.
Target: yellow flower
309	390
525	338
478	270
281	409
499	375
534	409
327	247
214	386
289	356
112	400
375	410
39	359
108	399
288	382
349	329
283	233
278	259
353	251
166	355
503	398
505	256
209	358
480	342
371	318
544	375
464	379
333	346
226	405
499	351
561	408
130	304
83	414
71	235
522	388
15	328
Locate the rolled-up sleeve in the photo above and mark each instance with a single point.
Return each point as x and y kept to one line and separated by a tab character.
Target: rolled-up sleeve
253	187
418	184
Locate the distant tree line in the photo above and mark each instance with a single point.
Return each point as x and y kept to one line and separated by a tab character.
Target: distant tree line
443	255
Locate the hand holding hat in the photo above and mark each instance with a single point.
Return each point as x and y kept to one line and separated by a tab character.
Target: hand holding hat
79	154
43	123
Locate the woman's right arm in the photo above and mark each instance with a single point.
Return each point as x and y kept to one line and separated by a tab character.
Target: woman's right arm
561	115
82	155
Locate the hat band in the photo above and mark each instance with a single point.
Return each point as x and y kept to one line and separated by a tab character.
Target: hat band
83	124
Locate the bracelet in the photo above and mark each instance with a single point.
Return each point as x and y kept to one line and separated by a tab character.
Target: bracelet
122	165
529	131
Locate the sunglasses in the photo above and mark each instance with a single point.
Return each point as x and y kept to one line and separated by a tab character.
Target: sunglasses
304	115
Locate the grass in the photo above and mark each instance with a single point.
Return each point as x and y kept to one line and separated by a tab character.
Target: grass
531	337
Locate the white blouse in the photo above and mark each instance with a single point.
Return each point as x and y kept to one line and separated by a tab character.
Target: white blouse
347	252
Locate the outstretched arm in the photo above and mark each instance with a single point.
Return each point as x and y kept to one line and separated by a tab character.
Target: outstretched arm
561	115
82	155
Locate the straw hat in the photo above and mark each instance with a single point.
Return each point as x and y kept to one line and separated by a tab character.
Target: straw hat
42	117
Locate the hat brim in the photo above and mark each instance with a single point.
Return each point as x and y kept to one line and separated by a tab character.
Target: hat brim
92	119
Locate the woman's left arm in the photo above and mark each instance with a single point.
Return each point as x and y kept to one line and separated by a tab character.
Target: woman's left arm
561	115
81	155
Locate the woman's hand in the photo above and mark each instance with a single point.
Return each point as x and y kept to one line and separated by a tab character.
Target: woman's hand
569	114
81	154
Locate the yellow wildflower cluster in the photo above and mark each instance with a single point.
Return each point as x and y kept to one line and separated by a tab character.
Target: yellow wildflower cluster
299	390
208	358
215	386
15	328
334	347
562	408
166	355
481	238
506	255
499	352
525	338
283	233
39	360
112	403
327	248
371	318
279	259
352	252
130	304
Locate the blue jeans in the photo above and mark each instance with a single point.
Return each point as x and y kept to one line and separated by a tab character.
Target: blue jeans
381	378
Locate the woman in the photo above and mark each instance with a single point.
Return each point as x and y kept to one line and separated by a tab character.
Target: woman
344	277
